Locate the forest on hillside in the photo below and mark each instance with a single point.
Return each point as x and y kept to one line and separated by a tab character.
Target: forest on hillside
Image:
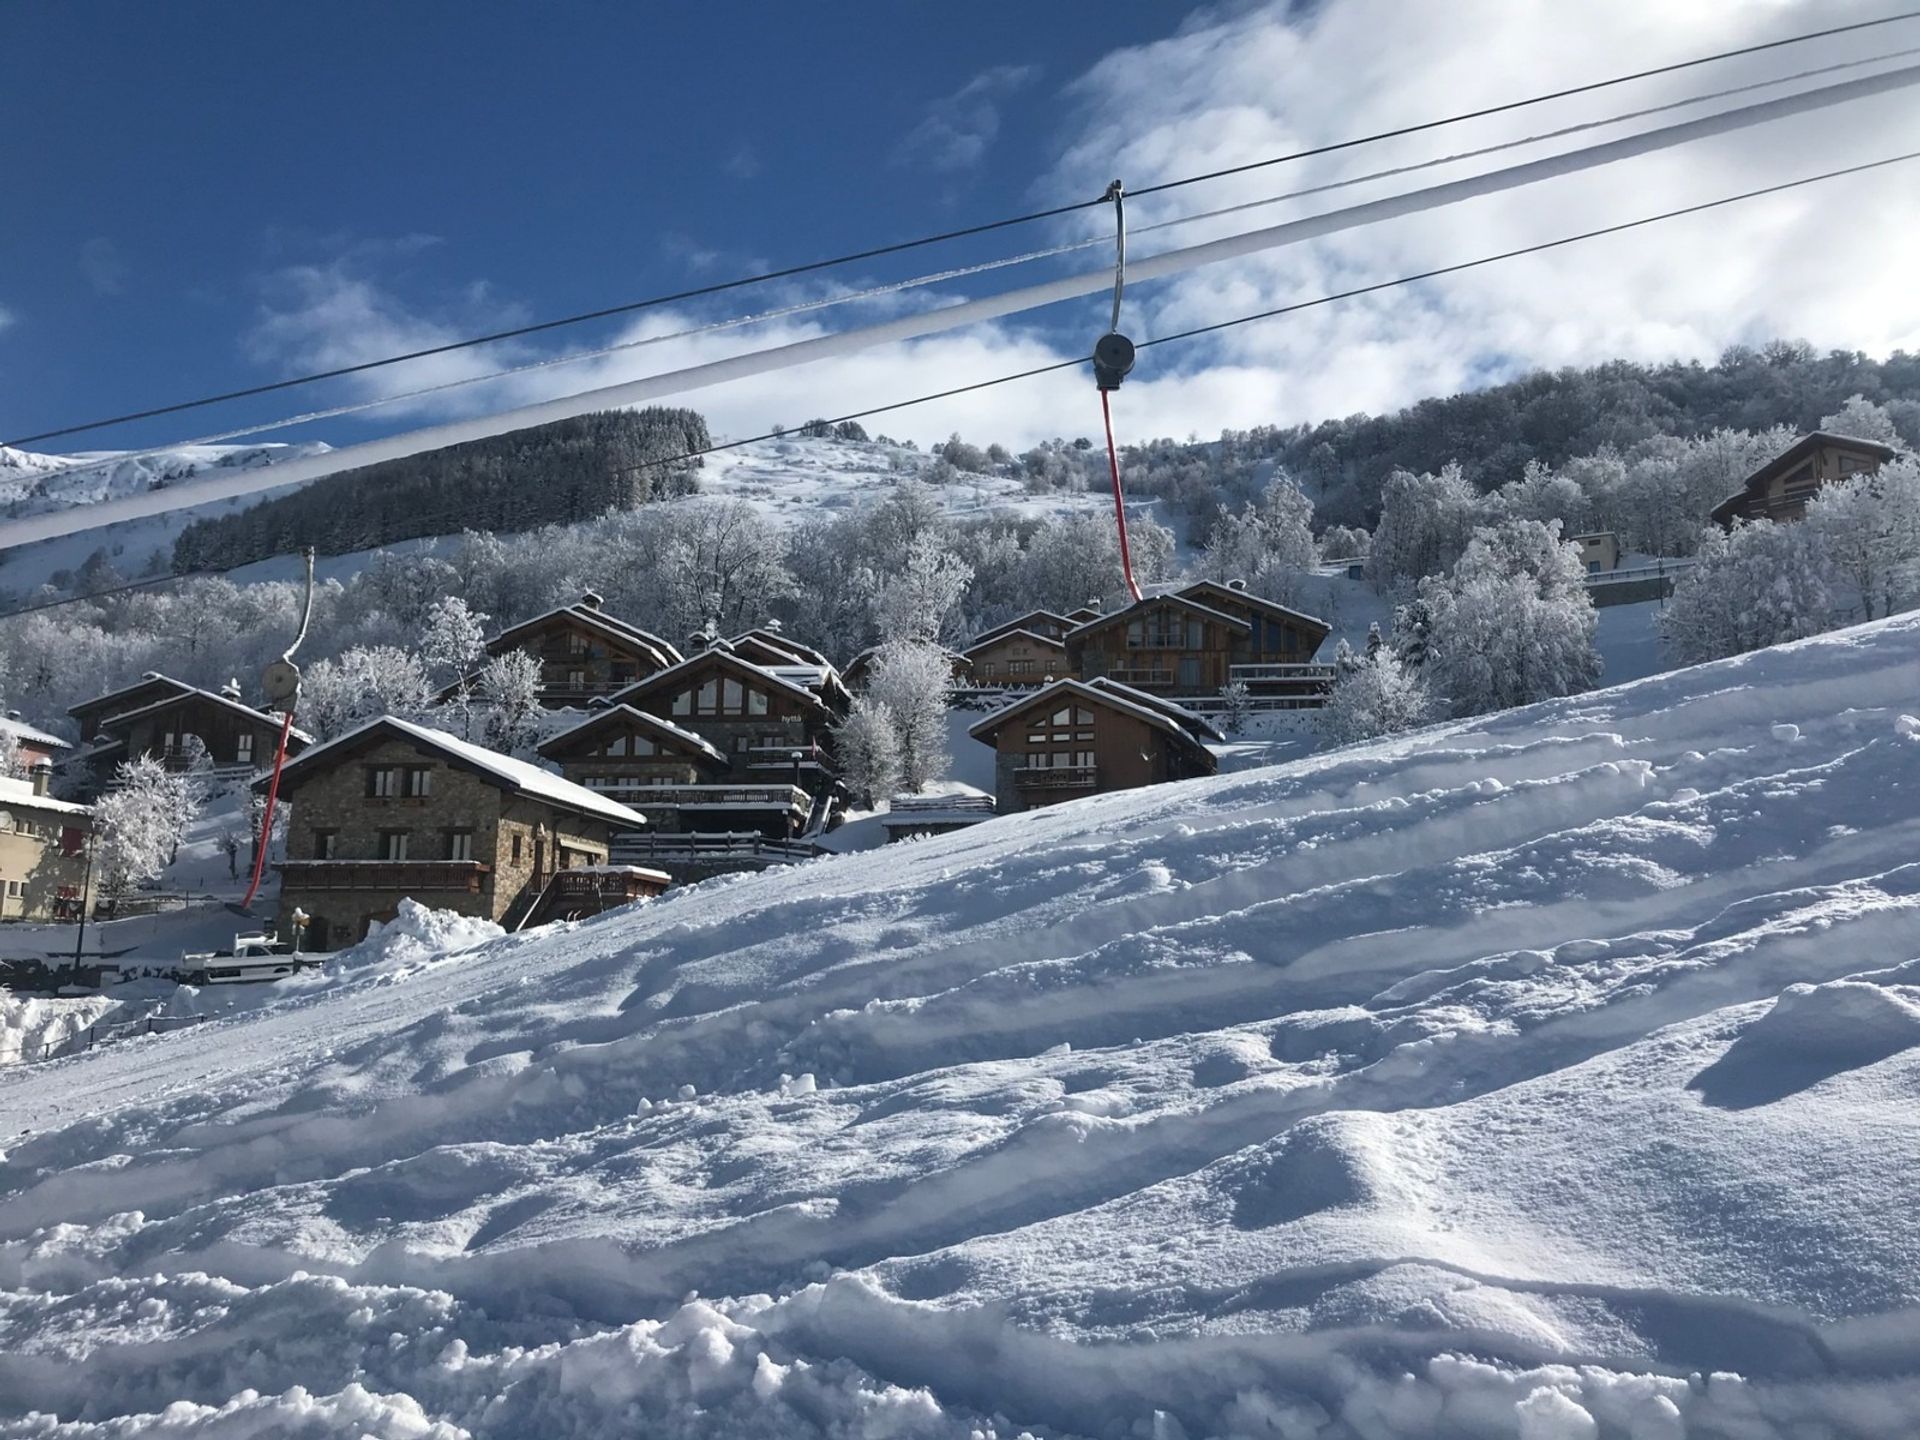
566	471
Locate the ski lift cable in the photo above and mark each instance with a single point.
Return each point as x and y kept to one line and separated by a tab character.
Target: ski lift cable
915	324
1036	371
896	287
898	247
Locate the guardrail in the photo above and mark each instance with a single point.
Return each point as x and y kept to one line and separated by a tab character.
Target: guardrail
1640	572
81	1041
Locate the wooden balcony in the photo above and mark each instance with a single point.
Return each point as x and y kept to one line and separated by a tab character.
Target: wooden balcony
406	876
1057	777
708	797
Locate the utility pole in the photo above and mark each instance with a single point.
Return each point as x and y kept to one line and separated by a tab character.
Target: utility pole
86	888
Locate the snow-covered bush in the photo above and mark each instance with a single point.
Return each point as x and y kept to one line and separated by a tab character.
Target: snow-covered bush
1755	585
868	751
1425	524
142	821
1375	696
921	601
1867	531
510	687
1268	545
1512	623
910	681
363	684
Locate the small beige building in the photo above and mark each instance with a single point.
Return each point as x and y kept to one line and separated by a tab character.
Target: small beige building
394	809
43	852
1599	552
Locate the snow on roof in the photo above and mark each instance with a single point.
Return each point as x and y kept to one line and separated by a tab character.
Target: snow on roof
19	793
20	730
1168	597
1258	601
515	775
1811	440
727	659
152	677
1021	622
559	741
1195	723
999	635
188	692
599	620
1113	694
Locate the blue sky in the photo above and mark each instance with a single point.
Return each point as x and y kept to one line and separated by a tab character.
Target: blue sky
204	196
486	161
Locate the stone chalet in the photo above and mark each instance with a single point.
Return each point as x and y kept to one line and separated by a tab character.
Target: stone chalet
673	777
584	653
394	809
1200	638
157	718
43	854
1077	737
1780	489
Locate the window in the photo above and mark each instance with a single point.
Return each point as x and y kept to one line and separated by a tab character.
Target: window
756	702
243	750
576	643
383	782
576	678
393	844
709	697
15	889
459	844
324	843
683	703
419	781
516	849
732	697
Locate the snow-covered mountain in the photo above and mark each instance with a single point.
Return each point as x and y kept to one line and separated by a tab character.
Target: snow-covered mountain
31	483
1546	1075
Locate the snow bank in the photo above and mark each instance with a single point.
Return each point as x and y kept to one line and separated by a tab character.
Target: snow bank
1548	1075
30	1023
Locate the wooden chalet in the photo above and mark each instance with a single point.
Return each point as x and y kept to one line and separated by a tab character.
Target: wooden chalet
1196	640
1016	659
1780	489
861	666
677	780
237	736
1076	737
584	653
1049	623
394	809
143	692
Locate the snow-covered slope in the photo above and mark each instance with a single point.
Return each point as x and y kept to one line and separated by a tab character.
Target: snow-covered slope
1551	1075
31	483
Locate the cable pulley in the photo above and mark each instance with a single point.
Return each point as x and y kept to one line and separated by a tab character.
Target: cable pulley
1113	355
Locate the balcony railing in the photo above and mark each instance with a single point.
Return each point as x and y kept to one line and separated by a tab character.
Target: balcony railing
468	876
1126	675
1272	672
1057	777
741	845
628	881
711	797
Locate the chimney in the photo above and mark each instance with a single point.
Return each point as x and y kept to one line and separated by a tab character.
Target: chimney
230	690
42	776
1236	584
13	714
591	600
772	627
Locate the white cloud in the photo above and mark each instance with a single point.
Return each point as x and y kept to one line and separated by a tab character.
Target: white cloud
104	266
1828	263
7	317
960	128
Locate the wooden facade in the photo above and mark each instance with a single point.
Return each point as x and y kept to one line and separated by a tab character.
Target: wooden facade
1780	489
754	718
584	653
1163	645
1016	658
1073	739
151	687
236	735
394	810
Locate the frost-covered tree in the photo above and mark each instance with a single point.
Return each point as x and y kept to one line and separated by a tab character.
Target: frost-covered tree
1375	695
1236	706
142	821
510	687
1425	523
451	638
11	764
868	751
1344	542
1512	623
1868	530
1864	420
1269	545
363	684
1755	585
921	600
911	682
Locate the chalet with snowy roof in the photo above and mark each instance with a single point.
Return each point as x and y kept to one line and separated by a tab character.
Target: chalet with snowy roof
861	667
395	810
44	874
674	778
1049	623
1780	489
237	737
801	664
584	653
1197	640
30	743
1016	659
148	688
761	721
1076	737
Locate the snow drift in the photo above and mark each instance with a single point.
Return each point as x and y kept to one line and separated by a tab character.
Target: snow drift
1551	1075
